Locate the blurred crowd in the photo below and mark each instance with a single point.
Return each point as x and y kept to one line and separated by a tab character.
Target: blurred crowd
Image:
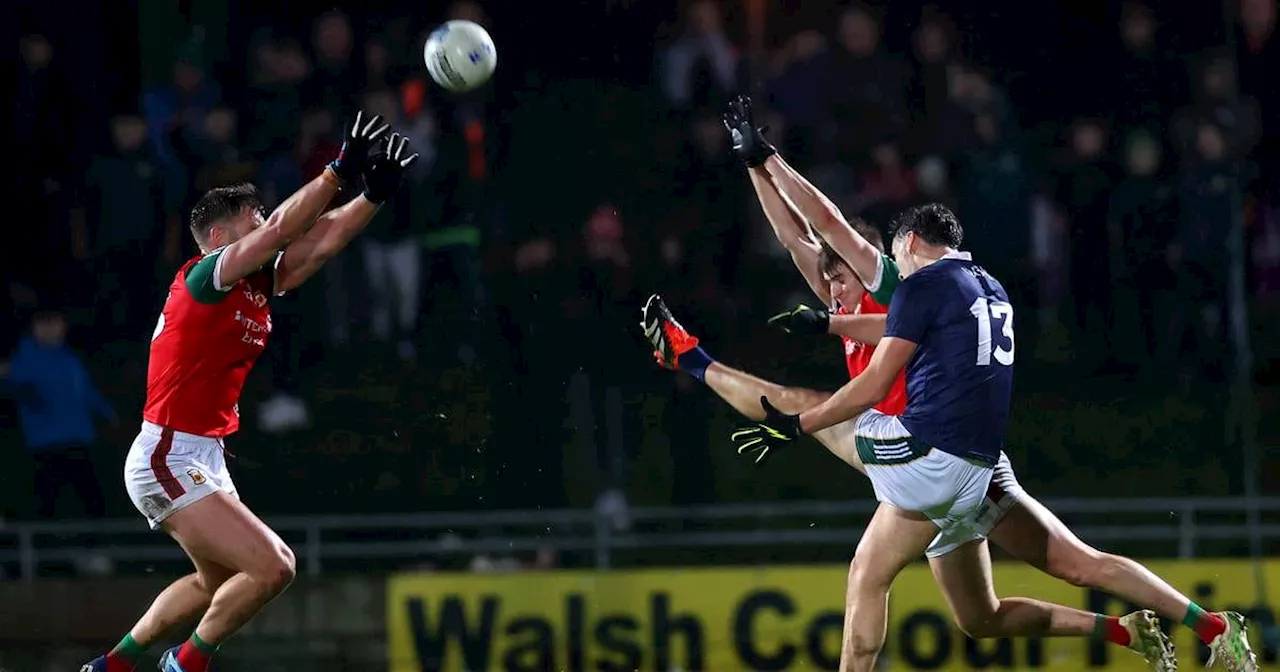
509	272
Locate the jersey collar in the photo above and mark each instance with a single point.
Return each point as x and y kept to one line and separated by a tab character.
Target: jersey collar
962	256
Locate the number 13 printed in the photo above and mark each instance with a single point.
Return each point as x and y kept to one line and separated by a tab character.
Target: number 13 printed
986	311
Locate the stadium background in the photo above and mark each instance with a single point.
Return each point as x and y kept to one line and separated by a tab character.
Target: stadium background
590	173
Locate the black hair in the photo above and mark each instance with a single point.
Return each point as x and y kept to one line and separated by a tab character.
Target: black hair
829	259
934	223
222	203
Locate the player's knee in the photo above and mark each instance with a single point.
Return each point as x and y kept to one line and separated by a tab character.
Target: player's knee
863	645
286	568
863	579
978	624
279	571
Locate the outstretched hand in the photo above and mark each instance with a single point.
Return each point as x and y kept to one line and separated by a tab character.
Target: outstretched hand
803	320
761	438
747	139
387	168
353	158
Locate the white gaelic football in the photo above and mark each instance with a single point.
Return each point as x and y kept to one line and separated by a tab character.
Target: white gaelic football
460	55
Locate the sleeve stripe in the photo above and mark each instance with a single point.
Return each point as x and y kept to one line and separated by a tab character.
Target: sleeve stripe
275	274
217	272
874	285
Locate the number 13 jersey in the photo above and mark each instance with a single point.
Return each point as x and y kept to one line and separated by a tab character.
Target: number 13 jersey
960	380
205	343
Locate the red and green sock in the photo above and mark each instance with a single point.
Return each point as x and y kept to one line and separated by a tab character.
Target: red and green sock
195	653
125	656
1109	628
1207	625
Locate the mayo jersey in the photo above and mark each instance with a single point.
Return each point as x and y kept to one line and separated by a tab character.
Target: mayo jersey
206	341
875	301
960	380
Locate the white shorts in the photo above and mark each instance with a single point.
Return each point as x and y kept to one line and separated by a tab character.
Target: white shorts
1002	494
167	471
964	498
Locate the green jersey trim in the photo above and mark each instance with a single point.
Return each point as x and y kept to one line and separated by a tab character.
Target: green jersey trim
202	279
886	280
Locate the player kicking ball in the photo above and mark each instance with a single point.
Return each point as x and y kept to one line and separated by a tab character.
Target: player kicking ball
214	325
1013	519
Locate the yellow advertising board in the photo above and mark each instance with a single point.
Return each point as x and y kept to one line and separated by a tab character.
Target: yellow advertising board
739	619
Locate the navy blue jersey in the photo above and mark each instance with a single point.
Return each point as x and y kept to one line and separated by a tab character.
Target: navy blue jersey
961	377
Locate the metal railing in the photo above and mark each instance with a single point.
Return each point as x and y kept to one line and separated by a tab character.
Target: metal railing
321	540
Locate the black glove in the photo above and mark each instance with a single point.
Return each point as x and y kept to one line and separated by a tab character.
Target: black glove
803	320
762	437
748	139
353	158
387	168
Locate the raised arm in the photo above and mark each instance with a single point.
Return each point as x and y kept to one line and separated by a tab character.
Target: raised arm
297	214
828	221
792	231
751	147
337	228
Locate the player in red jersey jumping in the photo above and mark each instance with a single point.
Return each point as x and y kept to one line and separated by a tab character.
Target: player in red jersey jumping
1015	521
214	325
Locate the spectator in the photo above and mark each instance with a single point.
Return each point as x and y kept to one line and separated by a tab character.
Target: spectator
796	92
57	407
178	107
933	182
125	193
933	46
995	198
701	66
865	85
215	159
37	252
1200	255
379	70
720	203
1142	220
1084	187
1218	100
334	83
1144	78
1258	56
888	185
277	74
392	253
972	94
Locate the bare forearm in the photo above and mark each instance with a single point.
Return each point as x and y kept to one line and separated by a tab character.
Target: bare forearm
337	228
867	329
826	219
792	231
333	231
813	205
298	213
847	403
787	224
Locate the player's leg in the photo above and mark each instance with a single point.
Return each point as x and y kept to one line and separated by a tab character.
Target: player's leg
1033	534
222	531
677	349
893	539
964	575
178	604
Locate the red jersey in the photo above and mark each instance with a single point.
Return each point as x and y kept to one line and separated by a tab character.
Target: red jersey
203	347
858	356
